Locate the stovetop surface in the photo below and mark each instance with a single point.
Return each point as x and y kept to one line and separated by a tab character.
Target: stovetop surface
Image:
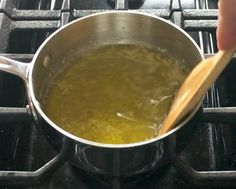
25	24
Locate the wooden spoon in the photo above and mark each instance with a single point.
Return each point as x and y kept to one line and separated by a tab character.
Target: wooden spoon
195	87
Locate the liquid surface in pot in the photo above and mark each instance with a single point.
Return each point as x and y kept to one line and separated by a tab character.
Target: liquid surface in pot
115	94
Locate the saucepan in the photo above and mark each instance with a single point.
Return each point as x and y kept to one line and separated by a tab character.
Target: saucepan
113	27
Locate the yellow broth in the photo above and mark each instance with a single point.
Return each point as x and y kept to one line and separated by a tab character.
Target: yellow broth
115	94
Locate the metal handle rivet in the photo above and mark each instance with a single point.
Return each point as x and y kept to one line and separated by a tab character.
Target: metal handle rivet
46	61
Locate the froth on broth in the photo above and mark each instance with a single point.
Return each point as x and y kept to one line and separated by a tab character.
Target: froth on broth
115	94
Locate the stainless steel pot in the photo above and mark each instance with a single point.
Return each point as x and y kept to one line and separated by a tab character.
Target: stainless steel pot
115	27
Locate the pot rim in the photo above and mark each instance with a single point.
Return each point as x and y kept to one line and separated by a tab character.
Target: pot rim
36	104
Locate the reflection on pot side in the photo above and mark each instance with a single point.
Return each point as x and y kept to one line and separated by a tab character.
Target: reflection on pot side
115	94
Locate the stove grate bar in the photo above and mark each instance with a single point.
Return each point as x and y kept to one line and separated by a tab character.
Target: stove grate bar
164	13
199	25
204	178
14	115
35	25
219	115
207	14
18	57
121	4
34	14
29	178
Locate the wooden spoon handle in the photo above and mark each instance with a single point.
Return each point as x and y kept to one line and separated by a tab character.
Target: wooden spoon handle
195	87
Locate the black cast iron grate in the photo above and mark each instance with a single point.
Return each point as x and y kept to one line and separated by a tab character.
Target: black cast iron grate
25	24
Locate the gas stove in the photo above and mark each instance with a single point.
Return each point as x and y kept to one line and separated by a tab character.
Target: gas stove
27	160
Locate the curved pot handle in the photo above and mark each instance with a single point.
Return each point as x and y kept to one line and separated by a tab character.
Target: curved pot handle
14	67
19	69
